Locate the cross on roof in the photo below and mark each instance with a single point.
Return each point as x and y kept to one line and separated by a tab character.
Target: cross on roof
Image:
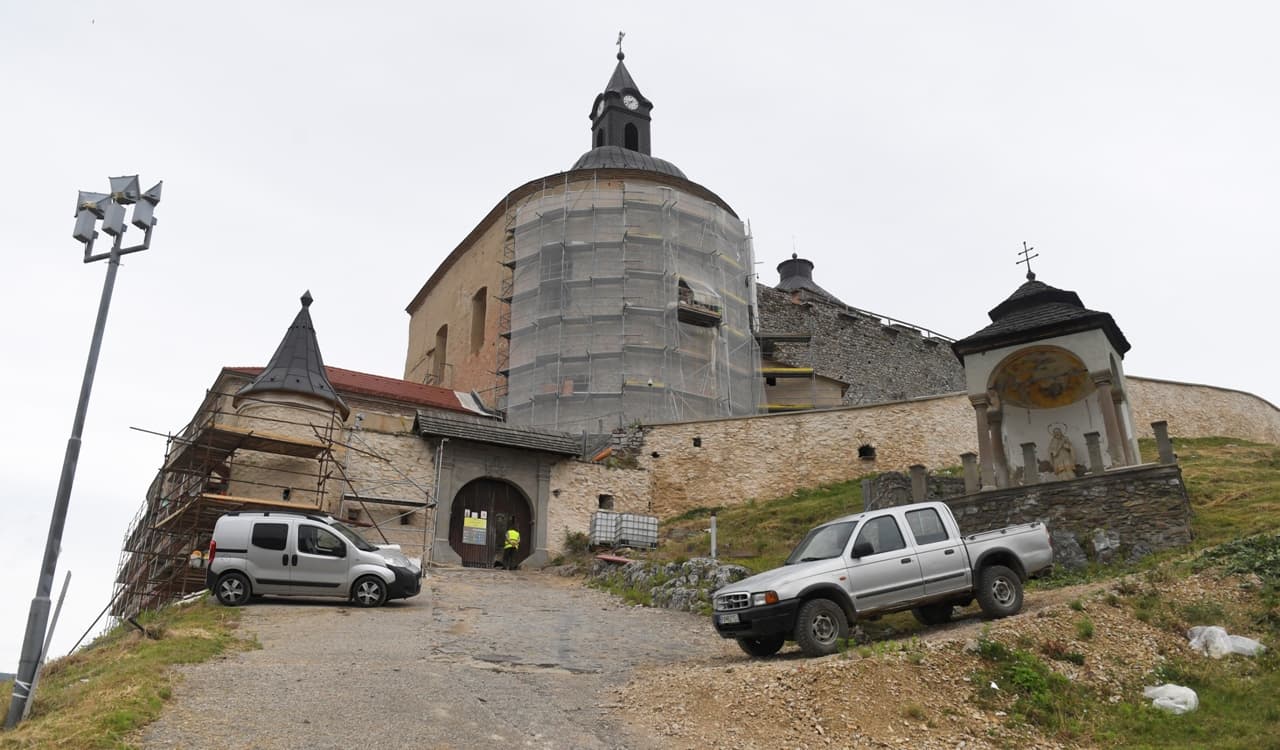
1026	258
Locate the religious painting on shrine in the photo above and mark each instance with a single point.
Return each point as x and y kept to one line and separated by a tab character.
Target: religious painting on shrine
1041	377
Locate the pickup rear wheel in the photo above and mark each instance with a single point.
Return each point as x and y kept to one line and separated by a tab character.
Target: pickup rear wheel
762	647
933	614
820	627
999	592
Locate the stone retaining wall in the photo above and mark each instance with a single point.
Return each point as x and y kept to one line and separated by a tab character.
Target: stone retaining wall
1134	511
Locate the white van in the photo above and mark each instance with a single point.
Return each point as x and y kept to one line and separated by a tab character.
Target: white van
289	553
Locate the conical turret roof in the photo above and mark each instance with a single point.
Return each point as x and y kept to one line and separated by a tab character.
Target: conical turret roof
297	367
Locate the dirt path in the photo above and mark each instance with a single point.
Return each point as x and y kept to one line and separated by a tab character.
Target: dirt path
481	658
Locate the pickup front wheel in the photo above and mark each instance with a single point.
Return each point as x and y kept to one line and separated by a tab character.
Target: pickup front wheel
820	627
999	592
761	647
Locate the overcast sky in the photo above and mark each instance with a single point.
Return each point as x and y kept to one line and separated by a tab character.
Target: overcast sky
907	149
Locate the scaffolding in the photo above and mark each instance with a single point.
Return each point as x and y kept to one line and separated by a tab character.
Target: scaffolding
225	461
629	302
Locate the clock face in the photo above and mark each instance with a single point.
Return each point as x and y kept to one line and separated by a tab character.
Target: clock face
600	108
630	102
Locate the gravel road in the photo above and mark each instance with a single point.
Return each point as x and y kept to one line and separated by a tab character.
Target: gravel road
480	658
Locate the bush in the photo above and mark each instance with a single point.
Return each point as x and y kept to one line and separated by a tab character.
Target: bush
576	542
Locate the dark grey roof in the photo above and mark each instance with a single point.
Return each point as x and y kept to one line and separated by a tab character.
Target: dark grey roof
617	157
429	423
621	80
296	367
1037	311
797	273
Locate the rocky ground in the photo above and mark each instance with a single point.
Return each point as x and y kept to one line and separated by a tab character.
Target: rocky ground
912	693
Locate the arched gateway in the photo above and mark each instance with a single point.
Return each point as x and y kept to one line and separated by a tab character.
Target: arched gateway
481	513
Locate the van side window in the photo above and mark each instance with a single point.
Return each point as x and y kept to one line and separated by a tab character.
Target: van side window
926	526
270	535
882	534
314	540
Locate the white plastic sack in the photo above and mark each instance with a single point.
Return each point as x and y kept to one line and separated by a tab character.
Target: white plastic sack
1175	699
1215	642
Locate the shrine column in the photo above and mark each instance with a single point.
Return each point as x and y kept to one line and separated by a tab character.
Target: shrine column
1107	405
1126	442
980	404
999	460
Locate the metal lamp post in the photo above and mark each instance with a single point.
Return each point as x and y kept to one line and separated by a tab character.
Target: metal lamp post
110	209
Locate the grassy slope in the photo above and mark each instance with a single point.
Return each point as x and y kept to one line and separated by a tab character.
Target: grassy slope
99	696
1234	488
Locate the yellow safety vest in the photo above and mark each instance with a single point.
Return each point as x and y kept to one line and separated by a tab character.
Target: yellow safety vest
513	539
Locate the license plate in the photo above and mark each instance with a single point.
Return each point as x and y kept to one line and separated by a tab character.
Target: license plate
728	619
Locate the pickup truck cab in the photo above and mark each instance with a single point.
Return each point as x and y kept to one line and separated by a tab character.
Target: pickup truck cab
859	566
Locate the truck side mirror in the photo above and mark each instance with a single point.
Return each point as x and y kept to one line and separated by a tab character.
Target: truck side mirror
862	549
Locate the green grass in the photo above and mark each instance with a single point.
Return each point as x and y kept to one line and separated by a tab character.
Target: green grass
100	695
760	535
1234	486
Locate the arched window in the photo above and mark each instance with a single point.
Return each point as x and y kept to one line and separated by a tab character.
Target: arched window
479	305
438	361
600	137
631	137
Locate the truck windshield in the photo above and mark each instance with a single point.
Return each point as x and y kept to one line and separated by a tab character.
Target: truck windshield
822	543
353	537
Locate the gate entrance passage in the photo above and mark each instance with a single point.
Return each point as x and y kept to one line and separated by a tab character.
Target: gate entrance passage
482	512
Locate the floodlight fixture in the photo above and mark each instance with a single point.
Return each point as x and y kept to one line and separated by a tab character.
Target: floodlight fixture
113	219
144	213
124	190
93	202
90	208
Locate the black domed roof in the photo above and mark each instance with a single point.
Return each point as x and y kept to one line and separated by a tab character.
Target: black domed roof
617	157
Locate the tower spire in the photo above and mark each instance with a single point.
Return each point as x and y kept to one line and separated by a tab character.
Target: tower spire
297	367
620	114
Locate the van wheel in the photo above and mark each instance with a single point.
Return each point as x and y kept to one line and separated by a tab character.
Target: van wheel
933	614
820	627
999	592
761	648
369	591
232	589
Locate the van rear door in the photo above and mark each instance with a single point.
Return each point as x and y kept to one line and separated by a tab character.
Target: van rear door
268	560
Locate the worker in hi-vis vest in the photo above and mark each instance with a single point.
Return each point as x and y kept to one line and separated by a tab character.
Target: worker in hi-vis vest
510	548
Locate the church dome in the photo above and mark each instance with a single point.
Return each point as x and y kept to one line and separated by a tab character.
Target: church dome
617	157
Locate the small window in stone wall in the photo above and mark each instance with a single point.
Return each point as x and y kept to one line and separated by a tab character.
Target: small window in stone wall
406	519
697	442
606	502
353	514
867	452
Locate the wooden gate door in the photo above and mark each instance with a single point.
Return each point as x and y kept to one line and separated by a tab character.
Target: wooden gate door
482	512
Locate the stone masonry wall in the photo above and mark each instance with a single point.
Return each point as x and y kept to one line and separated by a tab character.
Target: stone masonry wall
1202	410
576	487
879	362
772	455
1141	510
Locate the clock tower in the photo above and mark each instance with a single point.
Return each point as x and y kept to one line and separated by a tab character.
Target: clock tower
620	115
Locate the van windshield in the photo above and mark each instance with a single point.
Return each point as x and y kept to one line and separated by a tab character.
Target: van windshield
822	543
353	537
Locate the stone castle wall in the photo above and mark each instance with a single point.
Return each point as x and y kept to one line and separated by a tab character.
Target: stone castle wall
878	362
769	456
1203	410
576	487
763	457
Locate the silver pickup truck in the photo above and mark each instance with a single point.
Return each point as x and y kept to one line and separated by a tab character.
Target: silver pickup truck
907	557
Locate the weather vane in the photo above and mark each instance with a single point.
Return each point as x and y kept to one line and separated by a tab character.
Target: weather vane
1026	258
619	43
